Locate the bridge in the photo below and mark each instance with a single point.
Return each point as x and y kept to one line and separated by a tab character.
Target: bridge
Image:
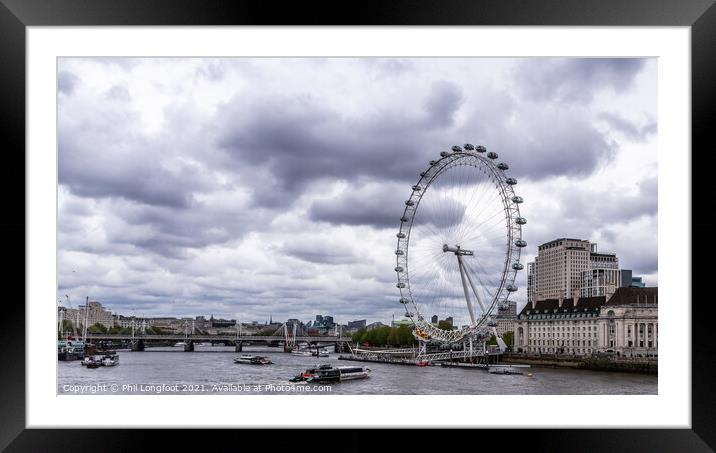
282	336
138	341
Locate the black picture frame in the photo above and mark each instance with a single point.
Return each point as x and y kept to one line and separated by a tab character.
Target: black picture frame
16	15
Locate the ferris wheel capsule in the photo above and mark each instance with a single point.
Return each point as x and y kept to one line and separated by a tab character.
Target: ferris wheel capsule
517	199
433	162
444	154
417	188
456	149
520	243
503	166
399	269
492	323
480	149
409	203
520	220
403	300
400	285
492	155
404	219
511	181
511	288
400	235
517	266
399	252
468	146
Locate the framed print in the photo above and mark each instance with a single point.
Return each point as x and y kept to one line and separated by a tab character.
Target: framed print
451	217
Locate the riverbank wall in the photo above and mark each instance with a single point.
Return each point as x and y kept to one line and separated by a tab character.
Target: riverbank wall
585	363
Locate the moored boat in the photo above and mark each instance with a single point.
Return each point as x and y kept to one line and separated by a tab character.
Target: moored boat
504	369
70	349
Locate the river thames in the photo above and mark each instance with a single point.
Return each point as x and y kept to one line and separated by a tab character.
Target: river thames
211	370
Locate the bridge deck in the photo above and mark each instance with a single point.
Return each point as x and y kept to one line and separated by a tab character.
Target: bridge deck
179	337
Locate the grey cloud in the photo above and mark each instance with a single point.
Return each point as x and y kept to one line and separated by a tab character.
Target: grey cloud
373	205
575	79
628	128
540	142
443	102
66	82
119	93
99	160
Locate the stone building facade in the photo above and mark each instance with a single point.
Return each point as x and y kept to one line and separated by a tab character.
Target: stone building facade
625	325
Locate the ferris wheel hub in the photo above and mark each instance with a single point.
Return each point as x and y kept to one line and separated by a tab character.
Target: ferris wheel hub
457	250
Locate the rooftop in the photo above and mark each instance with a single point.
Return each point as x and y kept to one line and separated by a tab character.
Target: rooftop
631	296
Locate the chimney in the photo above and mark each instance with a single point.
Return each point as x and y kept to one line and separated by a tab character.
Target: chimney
575	299
560	301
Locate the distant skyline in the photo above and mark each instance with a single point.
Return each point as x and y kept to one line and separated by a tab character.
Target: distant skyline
245	188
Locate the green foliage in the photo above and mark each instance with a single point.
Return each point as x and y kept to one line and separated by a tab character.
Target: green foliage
97	328
444	324
509	338
401	336
492	340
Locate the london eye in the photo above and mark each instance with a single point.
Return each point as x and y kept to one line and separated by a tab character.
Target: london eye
459	246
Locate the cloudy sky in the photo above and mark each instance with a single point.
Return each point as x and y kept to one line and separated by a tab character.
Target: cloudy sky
256	187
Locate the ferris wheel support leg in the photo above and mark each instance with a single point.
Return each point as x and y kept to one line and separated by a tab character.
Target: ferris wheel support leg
422	348
472	285
463	274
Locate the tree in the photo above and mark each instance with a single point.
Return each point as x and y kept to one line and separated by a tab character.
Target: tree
444	324
97	328
509	338
359	335
492	340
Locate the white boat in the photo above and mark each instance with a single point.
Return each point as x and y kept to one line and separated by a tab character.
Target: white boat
181	343
353	372
504	369
327	373
253	360
298	352
320	353
87	360
110	360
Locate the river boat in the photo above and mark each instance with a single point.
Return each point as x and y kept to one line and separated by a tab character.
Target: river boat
423	363
253	360
87	360
110	360
180	344
320	353
504	369
70	349
94	364
300	352
328	373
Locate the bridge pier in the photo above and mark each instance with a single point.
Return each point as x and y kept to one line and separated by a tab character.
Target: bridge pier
138	345
287	348
239	346
189	346
337	347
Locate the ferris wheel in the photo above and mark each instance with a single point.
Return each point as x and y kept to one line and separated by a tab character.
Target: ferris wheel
459	245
